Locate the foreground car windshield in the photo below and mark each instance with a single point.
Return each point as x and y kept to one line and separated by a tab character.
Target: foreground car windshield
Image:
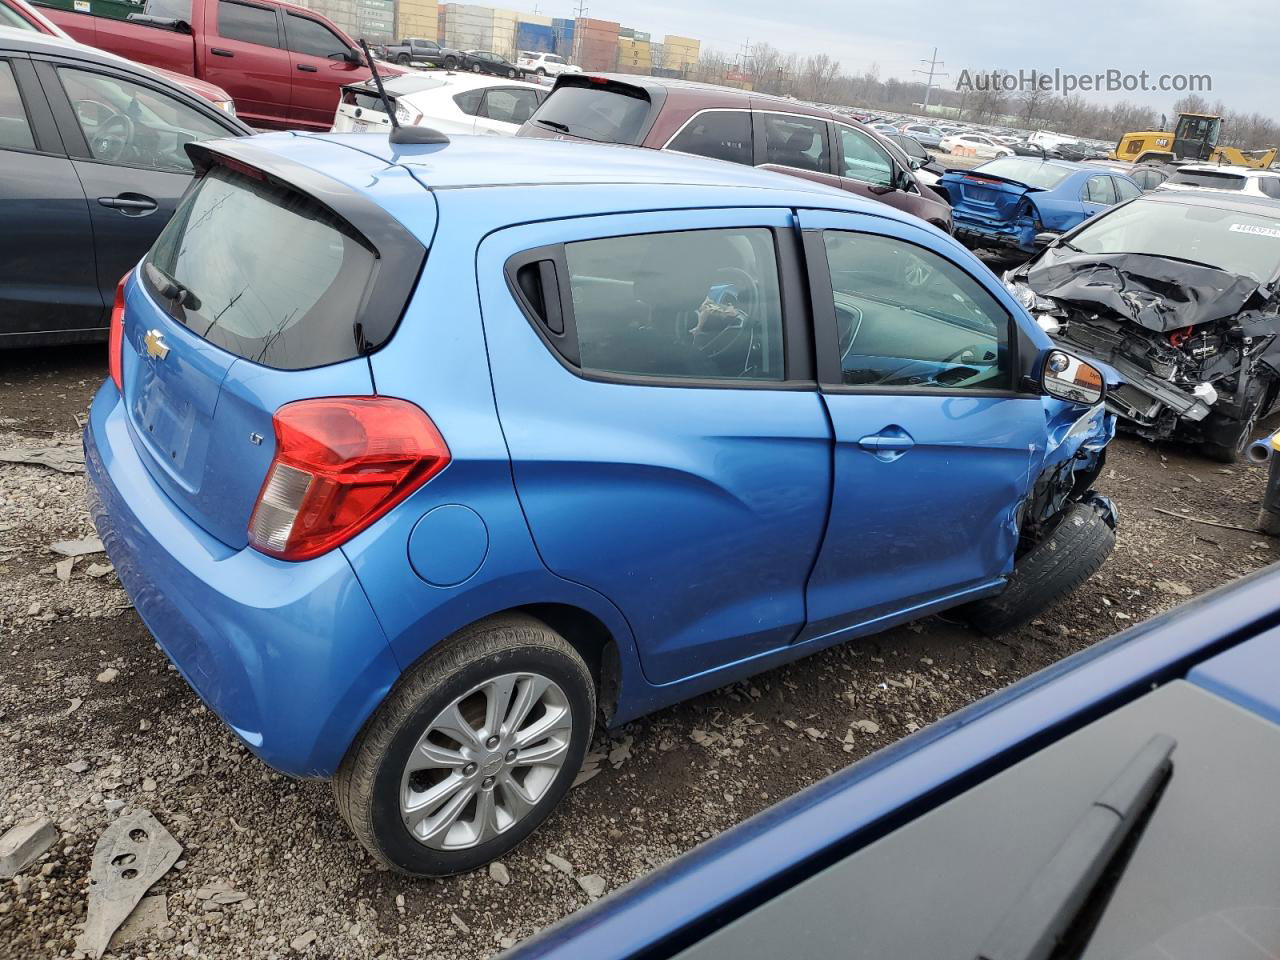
1033	173
1236	242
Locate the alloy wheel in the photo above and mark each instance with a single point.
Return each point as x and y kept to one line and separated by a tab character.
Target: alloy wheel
485	761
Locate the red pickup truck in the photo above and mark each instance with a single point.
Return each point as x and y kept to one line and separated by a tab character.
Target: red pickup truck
283	64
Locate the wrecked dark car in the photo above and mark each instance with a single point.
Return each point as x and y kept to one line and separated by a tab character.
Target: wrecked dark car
1178	293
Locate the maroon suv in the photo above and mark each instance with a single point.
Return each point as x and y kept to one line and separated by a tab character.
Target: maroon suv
736	125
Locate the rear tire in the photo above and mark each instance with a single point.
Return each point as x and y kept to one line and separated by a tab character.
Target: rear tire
541	71
370	785
475	68
1054	567
450	63
511	74
403	59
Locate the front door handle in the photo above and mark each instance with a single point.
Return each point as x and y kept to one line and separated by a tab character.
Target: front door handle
219	52
307	68
889	444
130	204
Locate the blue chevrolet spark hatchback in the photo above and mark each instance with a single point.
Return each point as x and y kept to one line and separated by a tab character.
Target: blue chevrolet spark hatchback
413	458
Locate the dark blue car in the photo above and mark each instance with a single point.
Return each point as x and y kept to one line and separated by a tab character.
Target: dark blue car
412	470
1119	804
1010	200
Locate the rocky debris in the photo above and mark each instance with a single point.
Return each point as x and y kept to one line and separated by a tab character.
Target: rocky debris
622	752
23	844
99	570
77	548
107	675
78	766
1173	588
148	917
458	922
593	885
499	873
303	940
561	864
866	726
132	854
62	569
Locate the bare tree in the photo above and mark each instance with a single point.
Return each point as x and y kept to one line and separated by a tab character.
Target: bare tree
819	72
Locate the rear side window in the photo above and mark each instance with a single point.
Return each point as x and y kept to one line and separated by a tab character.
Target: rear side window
271	275
606	114
510	104
1126	190
702	304
242	21
469	101
15	131
1100	190
718	134
797	142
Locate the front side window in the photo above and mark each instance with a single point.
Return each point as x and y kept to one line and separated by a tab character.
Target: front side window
798	142
906	317
510	104
243	21
1100	190
863	159
312	38
701	304
127	123
15	130
718	134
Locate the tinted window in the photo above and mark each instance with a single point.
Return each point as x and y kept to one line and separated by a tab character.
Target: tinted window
1032	173
510	104
1126	190
276	278
796	142
863	159
127	123
911	147
702	304
174	9
719	134
312	38
1099	190
469	100
606	114
906	317
239	21
15	131
1209	178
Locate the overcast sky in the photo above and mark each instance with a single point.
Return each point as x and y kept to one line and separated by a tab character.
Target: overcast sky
1234	41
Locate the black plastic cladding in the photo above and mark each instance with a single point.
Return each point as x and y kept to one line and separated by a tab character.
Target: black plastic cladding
399	255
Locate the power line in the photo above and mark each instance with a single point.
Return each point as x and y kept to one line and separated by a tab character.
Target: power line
933	63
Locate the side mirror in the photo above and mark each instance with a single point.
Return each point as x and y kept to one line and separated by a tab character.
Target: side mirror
349	56
1069	378
1042	240
916	163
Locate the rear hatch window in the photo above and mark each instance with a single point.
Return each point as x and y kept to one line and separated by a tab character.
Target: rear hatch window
1209	178
263	272
592	108
1031	173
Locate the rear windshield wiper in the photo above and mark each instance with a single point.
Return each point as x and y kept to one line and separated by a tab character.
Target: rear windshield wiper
553	124
1056	896
170	288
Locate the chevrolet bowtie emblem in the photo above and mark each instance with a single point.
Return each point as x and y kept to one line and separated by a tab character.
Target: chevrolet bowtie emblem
157	349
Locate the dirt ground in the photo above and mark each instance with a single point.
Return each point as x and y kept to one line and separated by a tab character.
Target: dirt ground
268	869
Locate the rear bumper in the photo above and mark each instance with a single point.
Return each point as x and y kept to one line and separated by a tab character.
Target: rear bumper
289	655
1015	236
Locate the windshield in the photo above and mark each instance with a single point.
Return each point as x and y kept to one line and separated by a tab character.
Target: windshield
1032	173
604	114
1239	243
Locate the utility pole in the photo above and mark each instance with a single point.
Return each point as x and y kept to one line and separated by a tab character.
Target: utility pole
933	63
579	12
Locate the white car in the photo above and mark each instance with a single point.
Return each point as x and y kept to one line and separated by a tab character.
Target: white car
545	64
1245	181
982	146
449	102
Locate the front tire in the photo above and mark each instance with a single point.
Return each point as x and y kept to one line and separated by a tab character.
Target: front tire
1055	566
471	750
475	68
511	74
541	71
450	63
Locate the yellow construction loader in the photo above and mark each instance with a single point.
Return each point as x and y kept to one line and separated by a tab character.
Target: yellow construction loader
1194	137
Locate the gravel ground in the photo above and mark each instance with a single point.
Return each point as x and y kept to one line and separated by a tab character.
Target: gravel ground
95	720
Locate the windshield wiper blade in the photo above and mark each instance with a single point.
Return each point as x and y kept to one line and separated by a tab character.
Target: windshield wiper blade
553	124
1054	898
170	288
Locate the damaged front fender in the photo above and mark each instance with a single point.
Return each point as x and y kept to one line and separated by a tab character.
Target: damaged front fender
1074	456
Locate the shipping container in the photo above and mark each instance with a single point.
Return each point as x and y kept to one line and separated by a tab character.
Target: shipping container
535	37
563	27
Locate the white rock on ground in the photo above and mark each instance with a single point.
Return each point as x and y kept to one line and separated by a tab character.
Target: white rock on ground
23	843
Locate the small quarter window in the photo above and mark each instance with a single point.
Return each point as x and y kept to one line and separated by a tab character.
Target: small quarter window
718	134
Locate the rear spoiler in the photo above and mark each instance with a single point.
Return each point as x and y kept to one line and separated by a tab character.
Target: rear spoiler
978	175
399	253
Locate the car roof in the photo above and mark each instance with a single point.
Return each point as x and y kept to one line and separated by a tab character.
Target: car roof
1217	199
408	84
1227	168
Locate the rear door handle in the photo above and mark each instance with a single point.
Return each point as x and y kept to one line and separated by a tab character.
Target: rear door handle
130	204
307	68
219	52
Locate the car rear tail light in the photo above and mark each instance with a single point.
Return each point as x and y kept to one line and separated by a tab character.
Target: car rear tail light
340	464
115	338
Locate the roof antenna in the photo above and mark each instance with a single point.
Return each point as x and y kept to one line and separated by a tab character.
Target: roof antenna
398	133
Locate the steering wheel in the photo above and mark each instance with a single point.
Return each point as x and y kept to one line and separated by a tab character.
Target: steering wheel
113	137
715	344
748	295
973	353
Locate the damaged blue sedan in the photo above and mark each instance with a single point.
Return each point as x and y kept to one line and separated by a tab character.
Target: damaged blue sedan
415	472
1024	202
